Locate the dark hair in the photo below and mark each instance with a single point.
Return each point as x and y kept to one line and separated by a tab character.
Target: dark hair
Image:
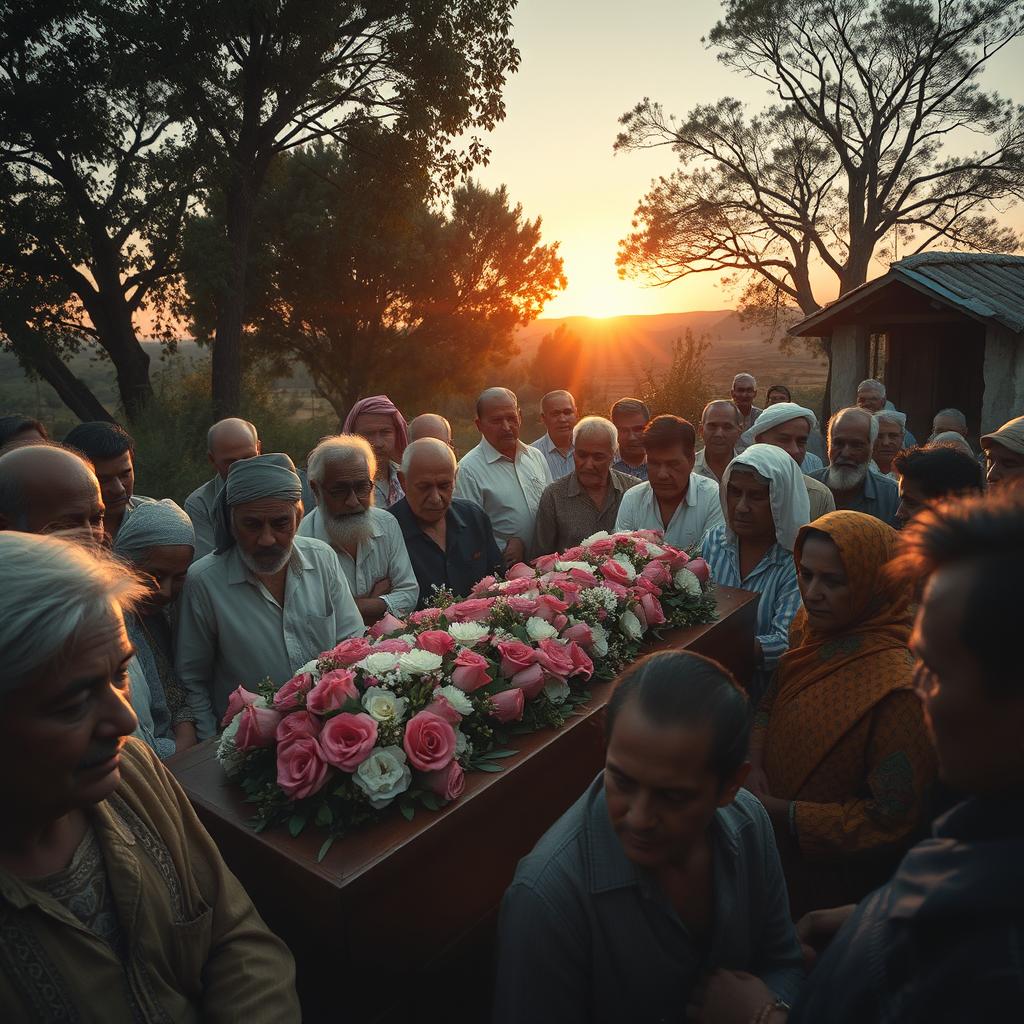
940	471
683	688
628	405
986	532
667	431
14	424
782	388
100	440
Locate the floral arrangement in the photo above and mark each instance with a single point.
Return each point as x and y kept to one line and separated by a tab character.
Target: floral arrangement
398	716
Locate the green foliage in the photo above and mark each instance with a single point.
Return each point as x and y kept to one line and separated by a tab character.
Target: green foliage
683	389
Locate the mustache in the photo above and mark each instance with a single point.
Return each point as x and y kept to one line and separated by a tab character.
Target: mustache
99	755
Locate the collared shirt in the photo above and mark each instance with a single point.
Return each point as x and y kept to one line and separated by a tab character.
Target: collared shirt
820	497
386	491
470	550
381	556
699	511
878	496
746	422
701	467
559	464
567	514
232	631
811	463
587	935
621	466
507	490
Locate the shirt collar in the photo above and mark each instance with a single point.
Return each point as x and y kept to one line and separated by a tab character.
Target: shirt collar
491	454
410	525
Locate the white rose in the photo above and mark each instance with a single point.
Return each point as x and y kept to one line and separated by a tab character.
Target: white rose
418	663
383	706
383	776
462	745
469	634
311	668
626	564
566	566
600	641
378	663
600	535
687	582
456	698
538	629
557	691
630	625
654	550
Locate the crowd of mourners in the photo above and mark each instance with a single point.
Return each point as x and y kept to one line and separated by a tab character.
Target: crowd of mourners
840	839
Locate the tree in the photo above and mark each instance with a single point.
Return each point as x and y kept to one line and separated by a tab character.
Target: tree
683	389
94	186
561	363
267	76
355	275
865	150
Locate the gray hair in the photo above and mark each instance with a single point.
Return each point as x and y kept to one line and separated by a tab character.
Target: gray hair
871	385
427	444
724	401
555	394
486	396
741	376
344	448
953	414
872	422
596	426
893	416
628	405
55	591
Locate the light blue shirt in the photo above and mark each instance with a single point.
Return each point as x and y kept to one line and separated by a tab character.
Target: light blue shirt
811	463
559	464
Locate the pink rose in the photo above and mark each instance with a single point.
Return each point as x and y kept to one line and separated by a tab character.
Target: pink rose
425	615
570	592
554	658
348	652
546	562
617	589
515	656
523	605
652	609
642	585
393	646
471	671
548	606
519	586
641	616
699	568
429	742
520	571
347	740
301	768
443	708
335	687
601	547
387	624
654	536
437	641
614	571
584	578
581	633
508	705
237	699
656	572
296	725
482	586
581	663
559	622
530	680
472	610
576	554
290	696
257	728
448	783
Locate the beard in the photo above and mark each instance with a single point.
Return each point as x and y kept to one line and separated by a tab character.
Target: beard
846	478
347	531
267	562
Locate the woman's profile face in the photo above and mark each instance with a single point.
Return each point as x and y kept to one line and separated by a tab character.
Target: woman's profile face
824	586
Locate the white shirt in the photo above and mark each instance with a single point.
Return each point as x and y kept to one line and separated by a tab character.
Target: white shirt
701	467
508	491
699	511
559	464
382	556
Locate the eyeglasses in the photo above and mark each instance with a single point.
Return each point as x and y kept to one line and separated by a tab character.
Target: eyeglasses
343	488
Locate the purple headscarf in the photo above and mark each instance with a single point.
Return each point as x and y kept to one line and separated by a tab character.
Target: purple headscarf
379	405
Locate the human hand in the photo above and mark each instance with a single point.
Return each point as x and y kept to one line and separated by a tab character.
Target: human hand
515	551
817	929
757	781
184	736
380	588
730	997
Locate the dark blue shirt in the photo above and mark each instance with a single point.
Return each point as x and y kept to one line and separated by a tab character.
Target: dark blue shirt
470	554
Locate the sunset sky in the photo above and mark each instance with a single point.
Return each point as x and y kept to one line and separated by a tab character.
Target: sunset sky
584	63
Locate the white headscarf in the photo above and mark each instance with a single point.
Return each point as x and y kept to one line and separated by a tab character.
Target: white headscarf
780	412
791	508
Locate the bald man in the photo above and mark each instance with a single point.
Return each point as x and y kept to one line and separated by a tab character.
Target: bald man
505	477
431	424
449	540
559	416
45	488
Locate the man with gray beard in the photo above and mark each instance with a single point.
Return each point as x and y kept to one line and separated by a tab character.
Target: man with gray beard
265	601
368	541
852	433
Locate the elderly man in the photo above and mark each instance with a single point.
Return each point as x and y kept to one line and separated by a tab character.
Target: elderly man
744	391
777	393
16	429
927	475
111	450
45	488
788	426
1004	454
431	424
265	602
630	417
871	396
449	540
558	414
378	420
851	437
505	477
673	501
588	499
367	541
946	420
720	429
892	426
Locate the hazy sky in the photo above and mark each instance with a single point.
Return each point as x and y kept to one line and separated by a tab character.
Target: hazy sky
584	63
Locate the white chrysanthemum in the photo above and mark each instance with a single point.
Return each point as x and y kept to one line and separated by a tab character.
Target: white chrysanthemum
378	663
502	636
587	541
606	597
457	699
311	668
418	663
557	691
383	775
230	757
463	745
538	629
630	626
600	639
626	563
654	550
469	634
566	566
409	638
687	582
383	706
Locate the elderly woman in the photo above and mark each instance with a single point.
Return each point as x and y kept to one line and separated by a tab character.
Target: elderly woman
378	420
587	500
892	427
840	752
159	541
764	502
115	901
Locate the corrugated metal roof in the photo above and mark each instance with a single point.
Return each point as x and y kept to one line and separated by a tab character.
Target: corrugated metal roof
990	287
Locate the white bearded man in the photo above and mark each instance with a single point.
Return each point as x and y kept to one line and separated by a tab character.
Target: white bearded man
367	540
